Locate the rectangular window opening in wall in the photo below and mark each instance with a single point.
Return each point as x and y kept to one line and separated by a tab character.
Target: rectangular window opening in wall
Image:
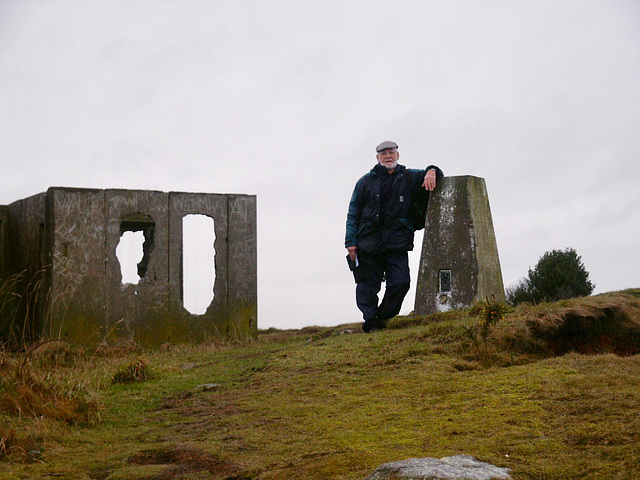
445	281
135	247
198	263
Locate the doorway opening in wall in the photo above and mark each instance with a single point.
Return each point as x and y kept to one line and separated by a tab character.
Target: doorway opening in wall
198	262
135	246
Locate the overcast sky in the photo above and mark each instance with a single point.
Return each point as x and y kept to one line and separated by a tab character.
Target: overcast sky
288	99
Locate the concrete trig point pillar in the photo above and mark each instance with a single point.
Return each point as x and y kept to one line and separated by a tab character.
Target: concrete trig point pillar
459	265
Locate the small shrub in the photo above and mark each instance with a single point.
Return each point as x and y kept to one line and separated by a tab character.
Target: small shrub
137	371
490	313
558	275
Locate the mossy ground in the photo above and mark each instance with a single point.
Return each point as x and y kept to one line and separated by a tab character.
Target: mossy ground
335	403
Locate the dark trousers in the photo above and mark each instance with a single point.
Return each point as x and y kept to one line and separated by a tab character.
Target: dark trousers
392	268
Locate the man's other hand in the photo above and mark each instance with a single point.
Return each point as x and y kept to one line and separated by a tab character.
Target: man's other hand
430	180
352	253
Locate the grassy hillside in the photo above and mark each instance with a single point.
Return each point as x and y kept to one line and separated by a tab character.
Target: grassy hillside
551	391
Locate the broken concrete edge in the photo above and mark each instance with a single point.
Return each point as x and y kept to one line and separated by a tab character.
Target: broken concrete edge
457	467
94	189
51	236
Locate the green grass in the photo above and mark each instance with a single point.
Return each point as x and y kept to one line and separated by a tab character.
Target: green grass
322	403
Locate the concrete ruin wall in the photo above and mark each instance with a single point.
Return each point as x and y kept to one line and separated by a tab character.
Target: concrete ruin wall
71	236
459	265
4	221
21	298
5	293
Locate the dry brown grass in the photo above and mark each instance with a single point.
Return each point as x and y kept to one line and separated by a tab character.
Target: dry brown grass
31	385
34	396
600	324
41	390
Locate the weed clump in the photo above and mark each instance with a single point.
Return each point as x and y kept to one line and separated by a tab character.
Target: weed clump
136	371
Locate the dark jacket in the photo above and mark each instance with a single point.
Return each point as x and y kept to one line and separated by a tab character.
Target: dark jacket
375	227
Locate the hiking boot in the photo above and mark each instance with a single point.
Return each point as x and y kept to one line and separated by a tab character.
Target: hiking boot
370	327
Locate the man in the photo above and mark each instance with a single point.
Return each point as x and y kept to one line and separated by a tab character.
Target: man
387	206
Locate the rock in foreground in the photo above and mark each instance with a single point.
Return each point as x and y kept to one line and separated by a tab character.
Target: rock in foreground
458	467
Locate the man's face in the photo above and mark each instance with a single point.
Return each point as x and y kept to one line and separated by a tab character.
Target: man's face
388	158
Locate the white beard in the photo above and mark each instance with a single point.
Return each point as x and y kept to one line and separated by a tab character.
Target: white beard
391	166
